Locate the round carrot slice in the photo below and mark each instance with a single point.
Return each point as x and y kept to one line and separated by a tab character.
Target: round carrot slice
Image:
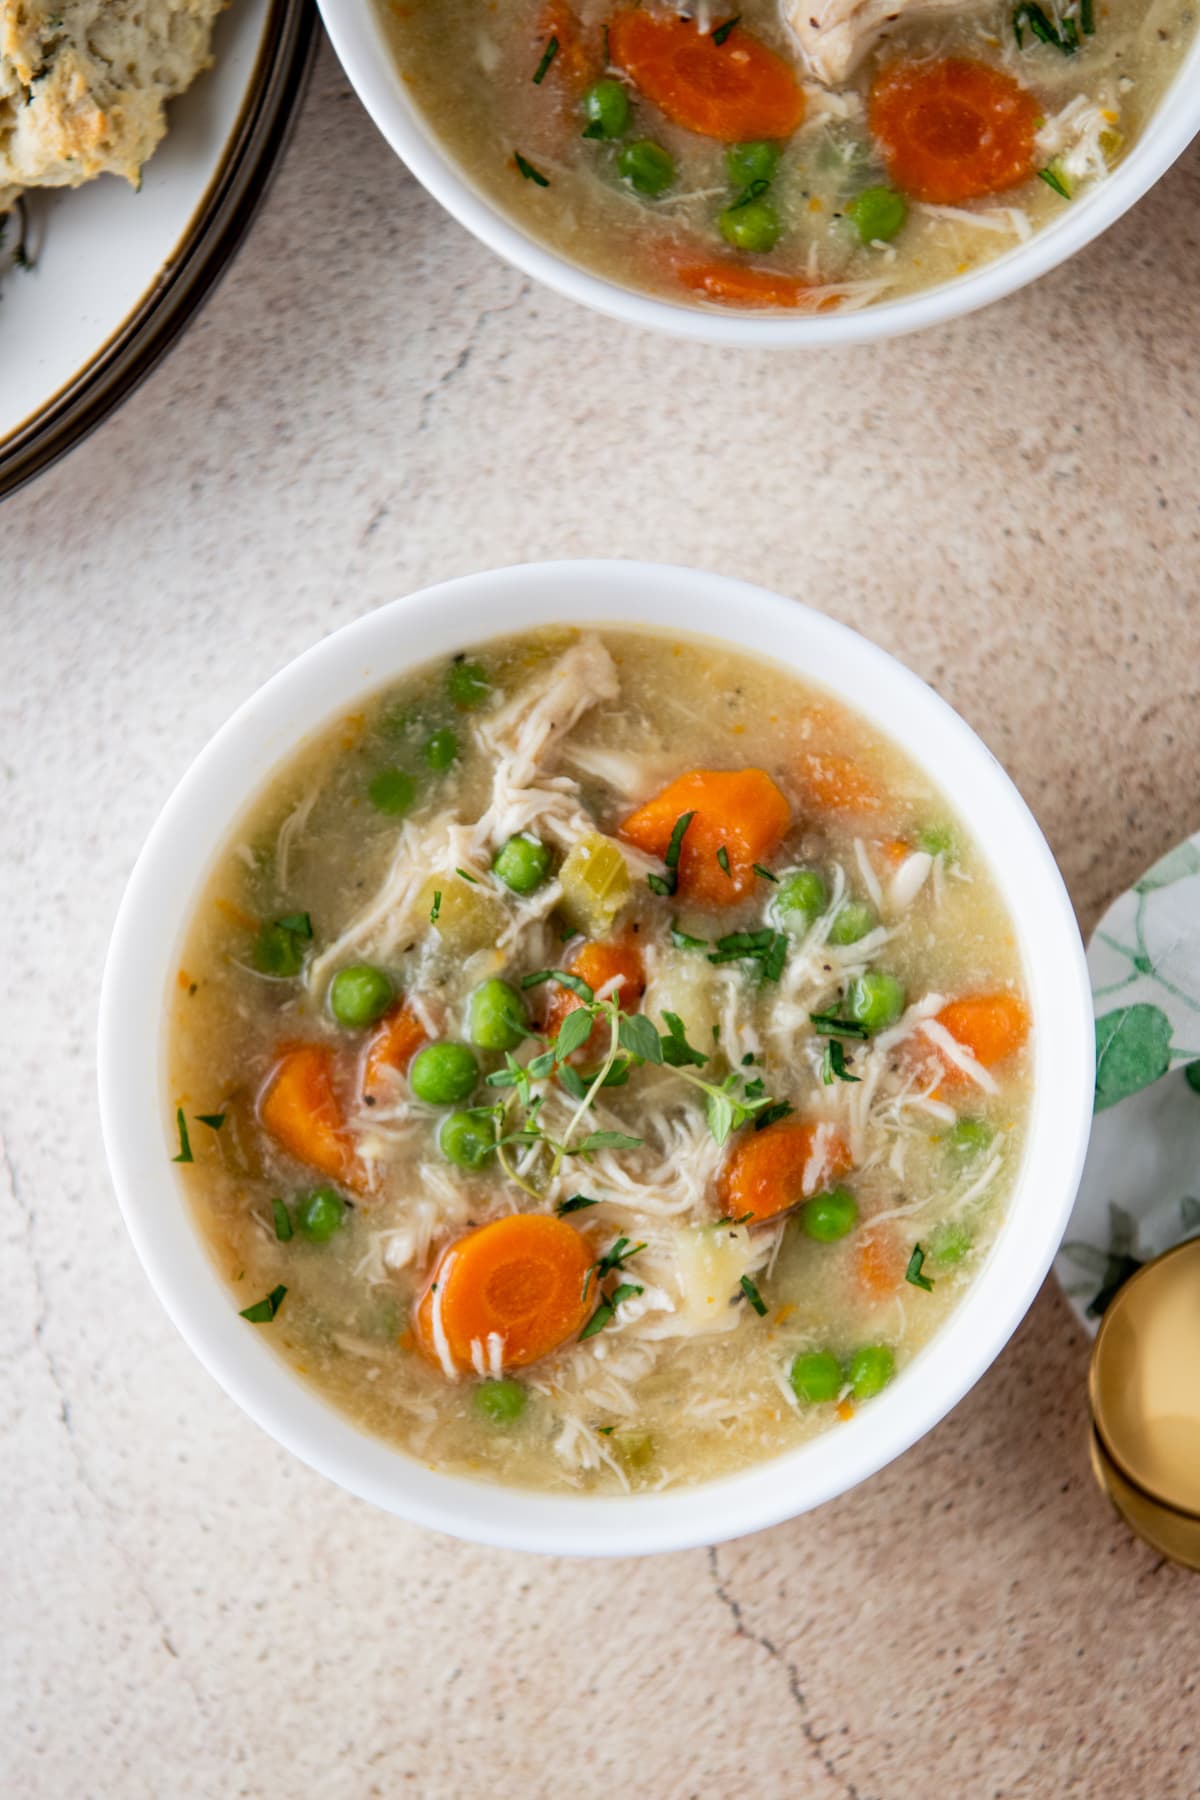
734	286
773	1170
731	90
600	965
739	816
504	1295
953	130
991	1026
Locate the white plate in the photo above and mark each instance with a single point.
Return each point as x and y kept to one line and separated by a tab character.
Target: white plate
117	272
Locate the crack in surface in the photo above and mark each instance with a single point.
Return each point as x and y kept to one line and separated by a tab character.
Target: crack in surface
449	376
28	1217
741	1629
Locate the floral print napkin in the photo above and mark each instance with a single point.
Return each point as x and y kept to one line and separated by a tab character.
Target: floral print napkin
1140	1192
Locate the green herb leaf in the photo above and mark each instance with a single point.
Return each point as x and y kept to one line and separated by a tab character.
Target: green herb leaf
765	873
263	1311
616	1256
676	1051
1043	28
833	1064
753	1296
538	1067
436	908
723	859
606	1140
626	1291
214	1121
682	941
548	56
913	1272
573	1082
829	1025
279	947
598	1320
185	1143
529	172
637	1035
576	1203
772	1114
723	30
1054	180
666	885
573	1033
466	877
283	1220
720	1115
1087	17
300	923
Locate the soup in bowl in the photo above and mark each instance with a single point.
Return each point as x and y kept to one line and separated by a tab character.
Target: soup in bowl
780	174
606	1068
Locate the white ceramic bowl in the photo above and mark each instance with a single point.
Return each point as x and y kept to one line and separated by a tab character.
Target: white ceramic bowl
171	874
369	62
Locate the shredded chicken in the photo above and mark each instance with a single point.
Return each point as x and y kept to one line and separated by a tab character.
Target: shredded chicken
835	35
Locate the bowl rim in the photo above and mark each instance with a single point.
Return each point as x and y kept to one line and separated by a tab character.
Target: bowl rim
137	1108
358	40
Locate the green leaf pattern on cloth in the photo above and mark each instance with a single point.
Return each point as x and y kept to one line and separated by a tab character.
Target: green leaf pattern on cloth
1140	1192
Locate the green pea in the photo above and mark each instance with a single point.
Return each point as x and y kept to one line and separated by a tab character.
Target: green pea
853	920
501	1402
467	1140
949	1243
936	840
830	1216
392	791
522	864
320	1214
816	1376
969	1137
606	109
496	1016
879	213
869	1370
647	167
875	999
278	950
745	163
802	897
752	225
635	1448
360	995
443	1074
442	748
467	683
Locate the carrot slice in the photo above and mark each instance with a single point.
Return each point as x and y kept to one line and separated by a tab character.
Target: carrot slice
505	1295
577	60
953	130
879	1264
770	1171
991	1026
730	90
600	965
300	1108
836	784
735	286
738	811
392	1045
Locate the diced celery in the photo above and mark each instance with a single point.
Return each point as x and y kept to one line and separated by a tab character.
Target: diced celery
595	885
466	918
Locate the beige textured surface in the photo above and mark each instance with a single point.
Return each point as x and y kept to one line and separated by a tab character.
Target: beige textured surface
371	402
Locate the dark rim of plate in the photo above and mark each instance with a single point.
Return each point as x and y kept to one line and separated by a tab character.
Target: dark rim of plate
204	252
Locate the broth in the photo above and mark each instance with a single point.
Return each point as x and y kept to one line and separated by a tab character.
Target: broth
756	1185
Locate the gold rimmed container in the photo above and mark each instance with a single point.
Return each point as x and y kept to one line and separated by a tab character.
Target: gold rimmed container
1144	1394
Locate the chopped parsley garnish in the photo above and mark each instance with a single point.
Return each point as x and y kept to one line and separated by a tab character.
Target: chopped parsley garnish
676	1051
765	873
281	945
185	1143
753	1296
436	908
772	1114
1064	38
283	1220
1053	179
913	1272
829	1025
682	941
214	1121
723	859
564	979
833	1064
548	56
754	190
626	1291
529	172
576	1203
1087	17
263	1311
471	878
723	30
667	884
766	947
614	1258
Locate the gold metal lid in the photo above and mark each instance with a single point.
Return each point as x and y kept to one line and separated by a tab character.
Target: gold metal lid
1144	1393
